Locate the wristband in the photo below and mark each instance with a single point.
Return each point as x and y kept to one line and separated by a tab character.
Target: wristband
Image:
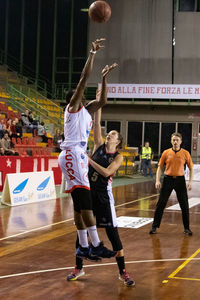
92	51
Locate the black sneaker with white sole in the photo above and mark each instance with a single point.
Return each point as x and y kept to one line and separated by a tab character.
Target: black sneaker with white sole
101	251
188	232
83	252
153	230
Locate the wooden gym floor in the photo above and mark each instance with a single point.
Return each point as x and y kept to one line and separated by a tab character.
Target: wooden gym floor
37	251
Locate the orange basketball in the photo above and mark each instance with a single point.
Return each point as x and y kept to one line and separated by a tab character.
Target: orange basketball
99	11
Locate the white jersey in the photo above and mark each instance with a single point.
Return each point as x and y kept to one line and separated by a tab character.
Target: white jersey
77	126
74	165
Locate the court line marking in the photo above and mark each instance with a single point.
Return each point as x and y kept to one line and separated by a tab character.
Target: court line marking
144	198
195	279
35	229
172	275
53	224
192	202
94	265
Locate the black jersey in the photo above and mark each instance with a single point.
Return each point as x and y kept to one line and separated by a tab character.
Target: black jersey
104	159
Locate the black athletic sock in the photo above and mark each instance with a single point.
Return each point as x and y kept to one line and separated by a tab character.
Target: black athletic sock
79	263
121	263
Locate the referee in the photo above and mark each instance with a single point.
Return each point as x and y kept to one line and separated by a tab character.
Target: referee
174	160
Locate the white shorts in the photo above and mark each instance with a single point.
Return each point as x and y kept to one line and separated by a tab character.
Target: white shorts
74	165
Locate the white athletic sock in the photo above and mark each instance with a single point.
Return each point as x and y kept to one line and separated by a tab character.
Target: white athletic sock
93	234
83	239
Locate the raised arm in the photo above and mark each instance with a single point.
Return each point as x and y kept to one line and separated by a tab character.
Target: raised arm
102	99
98	139
75	102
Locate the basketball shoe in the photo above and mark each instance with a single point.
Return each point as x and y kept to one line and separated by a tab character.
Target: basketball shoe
101	251
75	274
126	279
84	253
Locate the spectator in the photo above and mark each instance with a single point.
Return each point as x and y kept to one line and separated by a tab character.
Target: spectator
18	127
2	151
3	131
5	143
9	124
1	124
25	121
42	132
146	158
32	121
13	129
58	139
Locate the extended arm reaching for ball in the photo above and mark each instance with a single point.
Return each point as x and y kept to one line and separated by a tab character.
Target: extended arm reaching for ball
76	100
101	98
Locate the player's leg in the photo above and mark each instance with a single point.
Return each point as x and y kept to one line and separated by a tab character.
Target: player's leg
181	192
166	189
78	270
97	248
144	167
82	250
113	235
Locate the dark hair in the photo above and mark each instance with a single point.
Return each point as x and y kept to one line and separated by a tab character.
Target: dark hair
177	134
120	138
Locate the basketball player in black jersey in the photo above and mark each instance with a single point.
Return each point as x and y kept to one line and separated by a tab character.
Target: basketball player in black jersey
104	162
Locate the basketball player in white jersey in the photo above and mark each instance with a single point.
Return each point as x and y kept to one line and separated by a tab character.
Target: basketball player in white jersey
73	160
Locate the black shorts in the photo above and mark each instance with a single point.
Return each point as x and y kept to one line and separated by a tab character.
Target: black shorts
82	199
103	208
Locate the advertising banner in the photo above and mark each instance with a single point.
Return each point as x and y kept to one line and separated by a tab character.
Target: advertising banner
153	91
28	187
17	164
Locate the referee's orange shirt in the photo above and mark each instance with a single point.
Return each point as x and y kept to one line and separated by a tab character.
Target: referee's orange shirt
175	162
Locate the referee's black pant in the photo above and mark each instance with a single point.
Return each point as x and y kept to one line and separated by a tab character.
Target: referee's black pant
178	184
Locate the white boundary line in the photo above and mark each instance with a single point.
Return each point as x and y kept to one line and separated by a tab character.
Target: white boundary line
64	221
144	198
96	265
35	229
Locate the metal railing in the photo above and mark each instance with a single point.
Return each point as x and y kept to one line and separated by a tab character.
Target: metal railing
27	74
37	97
20	101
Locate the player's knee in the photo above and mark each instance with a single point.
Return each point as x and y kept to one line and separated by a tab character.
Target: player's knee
88	217
79	221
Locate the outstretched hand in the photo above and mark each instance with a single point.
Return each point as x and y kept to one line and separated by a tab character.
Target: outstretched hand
96	45
107	69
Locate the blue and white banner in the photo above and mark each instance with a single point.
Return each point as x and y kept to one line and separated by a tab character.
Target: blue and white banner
23	188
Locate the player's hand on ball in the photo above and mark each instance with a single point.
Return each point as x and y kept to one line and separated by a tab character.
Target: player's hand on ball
96	45
107	69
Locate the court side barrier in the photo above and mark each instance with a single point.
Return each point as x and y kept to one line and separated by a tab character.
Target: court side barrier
30	187
16	164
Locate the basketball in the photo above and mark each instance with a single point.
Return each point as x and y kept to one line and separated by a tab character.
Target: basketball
99	11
